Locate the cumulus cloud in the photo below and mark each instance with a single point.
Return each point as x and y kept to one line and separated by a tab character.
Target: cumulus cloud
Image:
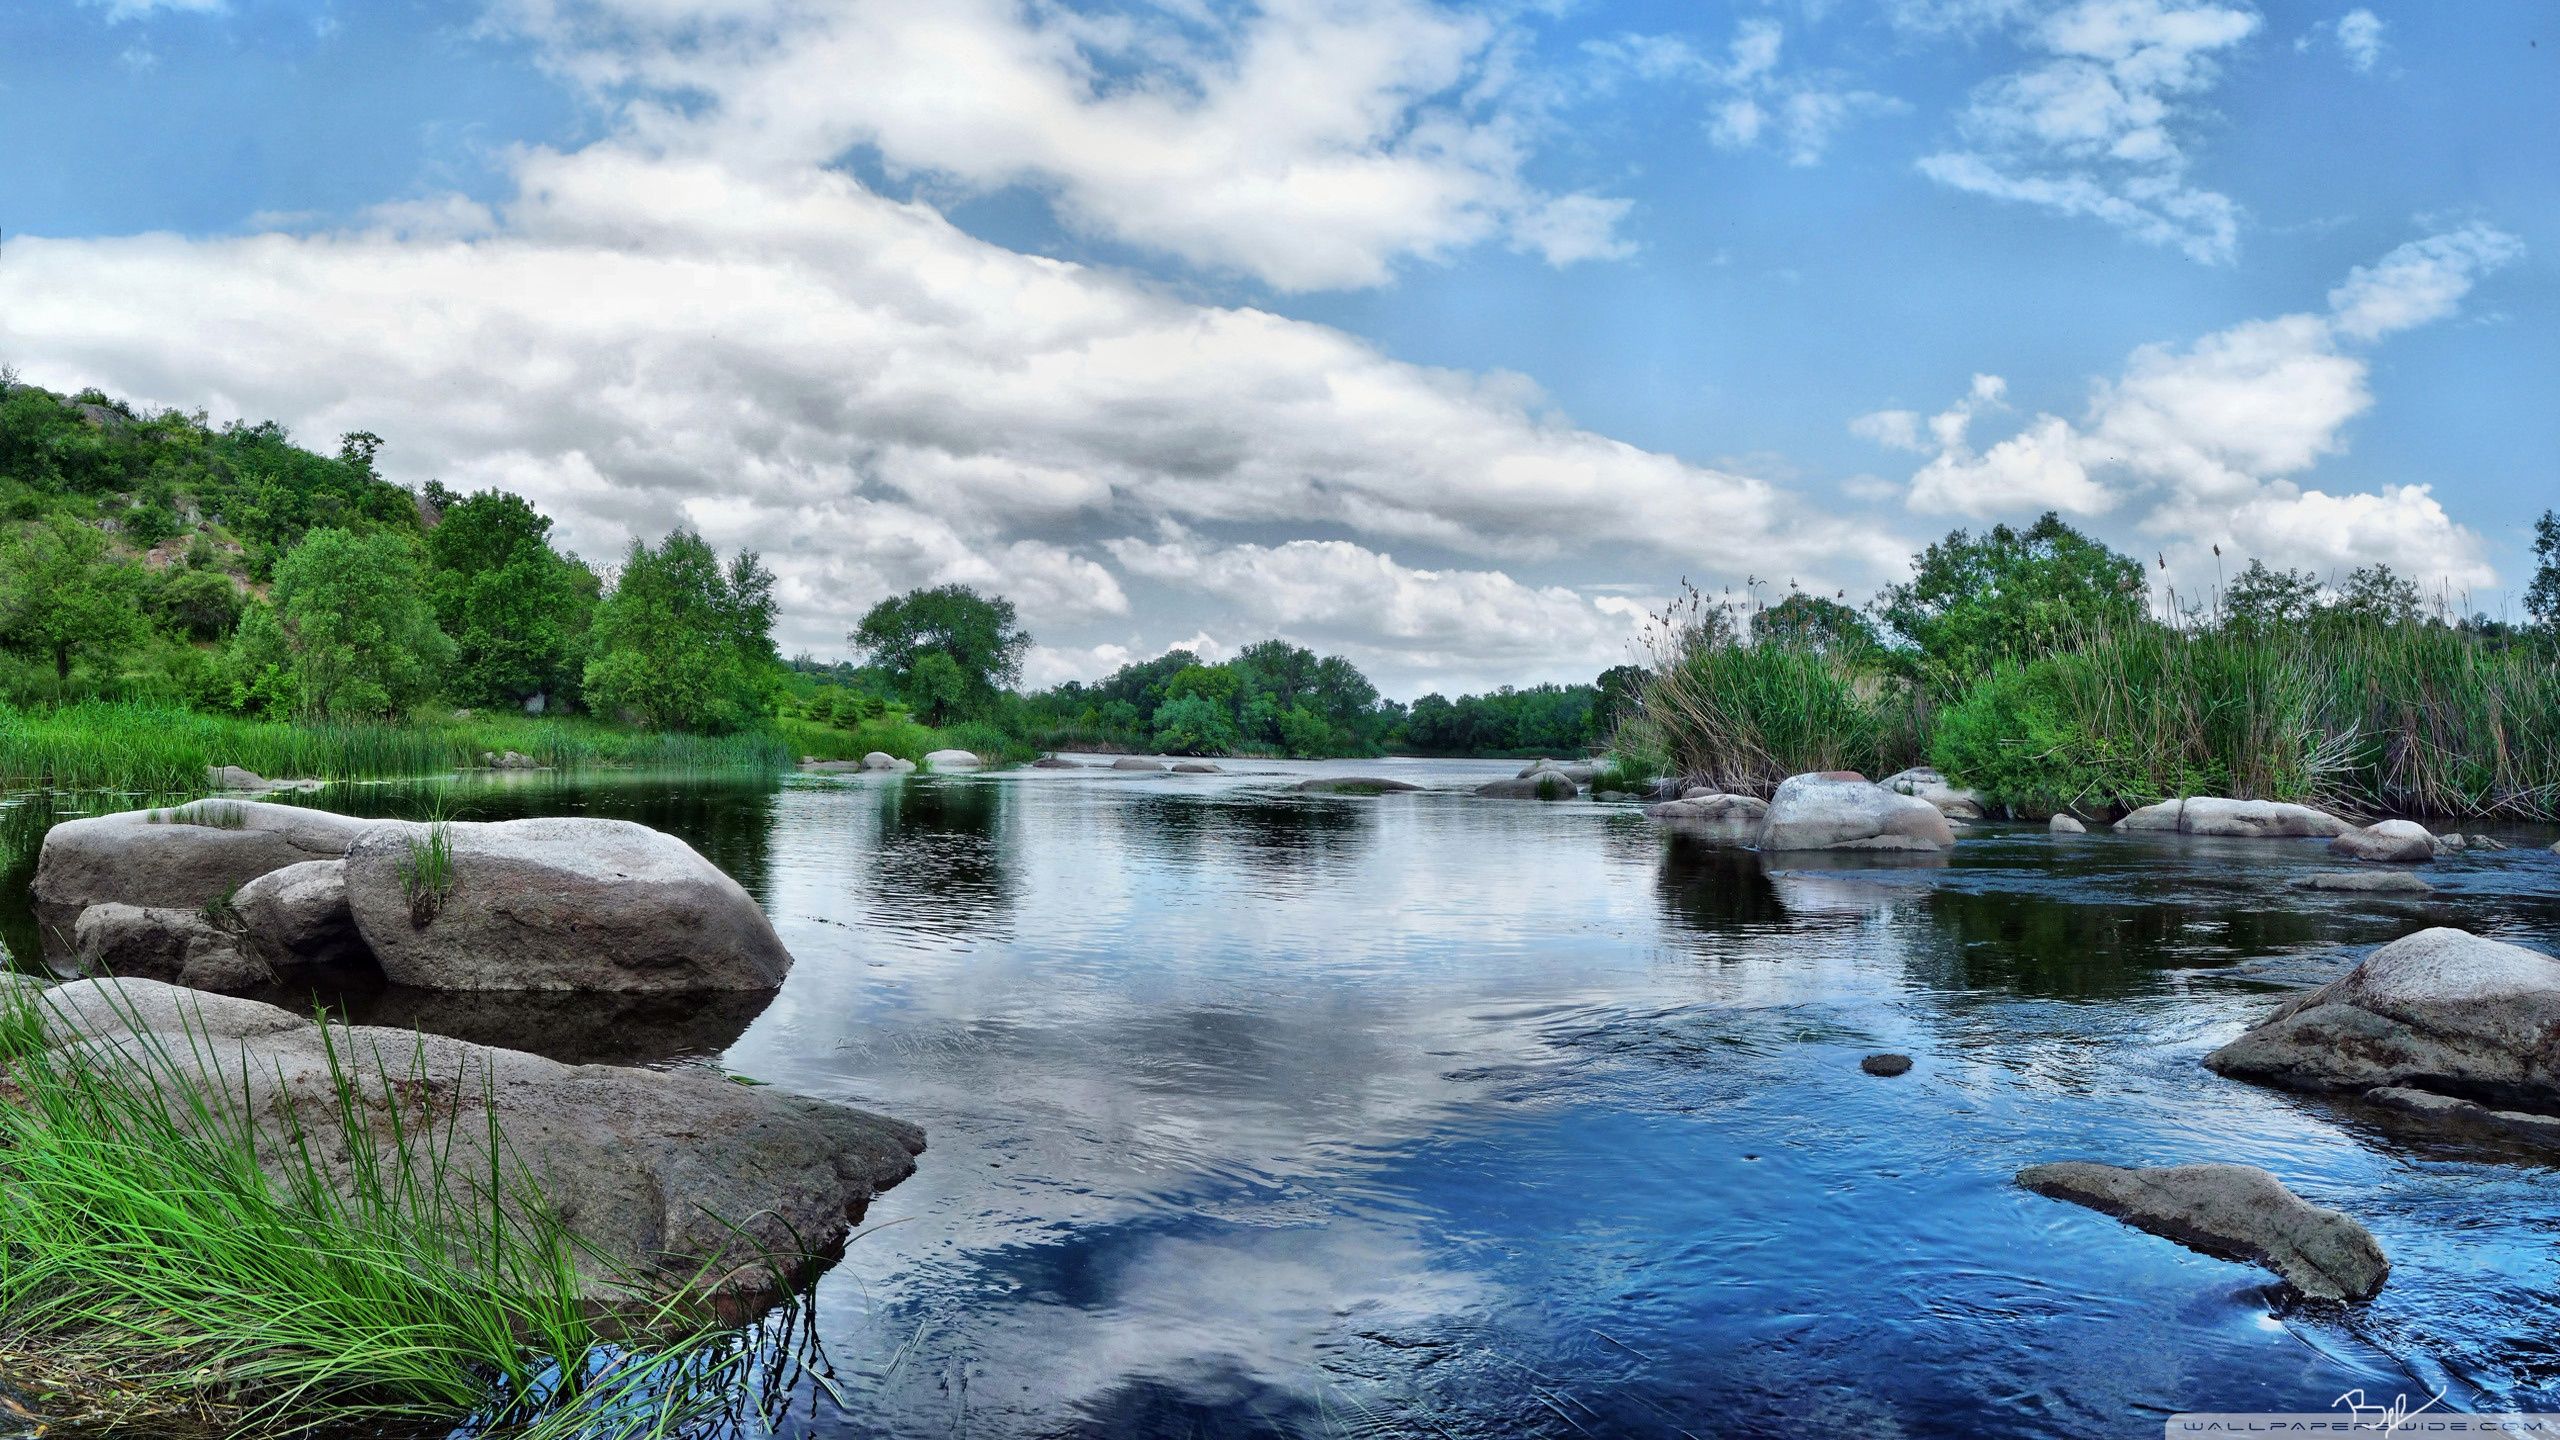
2091	127
2212	436
2357	34
1751	100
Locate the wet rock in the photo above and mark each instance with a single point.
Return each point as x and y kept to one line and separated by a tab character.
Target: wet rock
1710	805
2372	882
1355	785
884	761
2450	1112
1539	785
2442	1009
182	857
1887	1065
559	904
236	779
671	1177
1699	792
2485	843
176	946
1579	772
1925	782
509	760
2066	825
298	915
2402	842
2231	1212
953	760
1196	767
1836	812
1056	762
816	766
2239	819
1137	762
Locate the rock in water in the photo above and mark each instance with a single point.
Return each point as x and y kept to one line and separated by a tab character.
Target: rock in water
298	915
670	1176
1925	782
1710	806
2444	1111
1196	767
1887	1065
953	760
1355	785
1579	772
1540	785
180	947
2066	825
2241	819
559	904
883	760
182	858
1834	812
2373	882
1137	762
2231	1212
2402	842
2440	1010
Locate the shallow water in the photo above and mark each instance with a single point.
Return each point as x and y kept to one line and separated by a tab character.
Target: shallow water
1255	1113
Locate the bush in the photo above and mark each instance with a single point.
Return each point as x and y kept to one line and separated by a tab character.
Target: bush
1744	715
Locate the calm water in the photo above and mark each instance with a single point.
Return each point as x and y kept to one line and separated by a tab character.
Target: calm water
1263	1114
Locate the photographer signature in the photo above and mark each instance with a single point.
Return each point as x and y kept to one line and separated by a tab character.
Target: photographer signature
2386	1418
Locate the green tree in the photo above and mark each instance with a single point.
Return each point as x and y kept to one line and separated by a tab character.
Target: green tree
64	600
199	604
518	611
2007	594
2376	595
1815	623
2542	597
977	635
357	634
684	643
1194	725
2265	597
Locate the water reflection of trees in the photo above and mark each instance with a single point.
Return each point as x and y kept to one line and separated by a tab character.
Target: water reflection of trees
1286	840
2051	944
1706	887
944	852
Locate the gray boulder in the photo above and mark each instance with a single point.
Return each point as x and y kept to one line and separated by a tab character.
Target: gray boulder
1710	806
2231	1212
1538	785
884	761
1138	762
1578	771
2450	1113
815	766
2402	842
1925	782
234	778
2370	882
182	857
1057	762
1355	785
559	904
2066	825
953	760
1196	767
165	943
1836	811
2239	819
2439	1010
679	1181
298	915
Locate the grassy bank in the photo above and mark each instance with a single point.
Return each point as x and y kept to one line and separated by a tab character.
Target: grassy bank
153	1280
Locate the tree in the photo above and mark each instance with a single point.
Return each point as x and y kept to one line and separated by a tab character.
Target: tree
2376	595
2008	594
684	643
976	634
2265	598
357	635
1194	725
1814	623
2542	597
63	600
200	604
518	611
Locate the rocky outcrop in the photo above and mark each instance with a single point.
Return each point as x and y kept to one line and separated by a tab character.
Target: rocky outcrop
2441	1010
1537	785
1831	811
676	1181
952	760
557	904
1925	782
298	915
2403	842
1354	785
1138	762
2066	825
2231	1212
165	943
2449	1113
1709	807
182	857
2369	882
2238	819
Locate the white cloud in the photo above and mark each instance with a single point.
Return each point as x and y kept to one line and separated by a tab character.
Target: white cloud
1308	143
138	9
2091	127
2358	34
1752	99
2419	282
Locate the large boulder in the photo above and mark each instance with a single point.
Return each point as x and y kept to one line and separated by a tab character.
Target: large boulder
2404	842
1836	811
2440	1010
2238	819
1577	771
2231	1212
2066	825
678	1181
183	857
1925	782
1137	762
2366	882
953	760
165	943
298	915
1536	785
1355	785
557	904
884	761
1708	806
1196	767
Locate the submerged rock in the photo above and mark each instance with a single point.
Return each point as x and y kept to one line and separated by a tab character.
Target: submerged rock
2375	882
679	1181
558	904
1058	762
2441	1010
1887	1065
182	857
1710	806
1838	811
953	760
1538	785
298	915
2452	1113
2066	825
1925	782
1355	785
164	943
2231	1212
1196	767
2241	819
815	766
2404	842
1137	762
233	777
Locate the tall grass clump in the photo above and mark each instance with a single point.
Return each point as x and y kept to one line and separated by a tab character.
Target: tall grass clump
168	1268
1742	715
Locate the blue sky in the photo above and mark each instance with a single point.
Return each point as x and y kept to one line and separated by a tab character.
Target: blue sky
1448	337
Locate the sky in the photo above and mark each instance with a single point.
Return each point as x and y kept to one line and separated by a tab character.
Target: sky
1451	338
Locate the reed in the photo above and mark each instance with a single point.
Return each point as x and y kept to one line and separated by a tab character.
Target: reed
1743	715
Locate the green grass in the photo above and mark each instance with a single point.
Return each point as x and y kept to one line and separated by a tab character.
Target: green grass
890	735
1742	716
426	872
153	1279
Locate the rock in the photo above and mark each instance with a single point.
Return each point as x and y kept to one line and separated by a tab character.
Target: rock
1577	771
1054	762
1196	767
2485	842
1887	1065
1827	812
2374	882
2066	825
184	857
1138	762
1699	792
463	713
233	778
1709	806
515	760
560	904
2231	1212
165	943
1925	782
952	760
883	760
2241	819
1542	785
2452	1113
816	766
1355	785
2441	1009
669	1176
298	915
2451	844
2397	841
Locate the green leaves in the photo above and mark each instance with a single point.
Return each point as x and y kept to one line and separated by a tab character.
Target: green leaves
357	636
683	642
948	651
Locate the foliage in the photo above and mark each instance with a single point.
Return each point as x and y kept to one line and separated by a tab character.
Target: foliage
2542	596
1538	719
1194	725
1973	602
948	651
1743	715
517	610
63	601
1814	623
353	631
684	643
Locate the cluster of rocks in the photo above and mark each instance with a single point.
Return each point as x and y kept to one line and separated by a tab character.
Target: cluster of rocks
877	762
509	760
234	780
1831	810
1544	780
